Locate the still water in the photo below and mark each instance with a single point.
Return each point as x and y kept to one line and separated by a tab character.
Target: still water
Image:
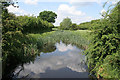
66	61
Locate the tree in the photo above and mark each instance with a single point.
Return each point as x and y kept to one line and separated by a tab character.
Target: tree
48	16
66	23
73	26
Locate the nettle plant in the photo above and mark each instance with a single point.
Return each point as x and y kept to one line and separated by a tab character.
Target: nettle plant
103	54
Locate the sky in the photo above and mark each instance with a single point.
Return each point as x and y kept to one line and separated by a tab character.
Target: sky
78	11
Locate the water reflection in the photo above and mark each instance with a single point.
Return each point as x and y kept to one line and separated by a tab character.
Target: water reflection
48	48
63	47
65	62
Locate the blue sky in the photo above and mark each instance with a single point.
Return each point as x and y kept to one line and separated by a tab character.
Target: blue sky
78	10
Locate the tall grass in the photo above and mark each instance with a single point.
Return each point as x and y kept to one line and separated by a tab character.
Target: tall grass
80	38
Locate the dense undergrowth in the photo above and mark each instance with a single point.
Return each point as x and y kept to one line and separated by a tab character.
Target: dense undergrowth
104	50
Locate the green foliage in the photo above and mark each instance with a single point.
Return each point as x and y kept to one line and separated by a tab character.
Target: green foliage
65	24
16	46
34	25
48	16
6	3
84	26
95	24
55	29
104	51
73	26
92	25
79	38
13	43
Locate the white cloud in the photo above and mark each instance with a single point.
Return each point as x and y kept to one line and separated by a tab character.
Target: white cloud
103	11
79	20
17	11
33	2
75	15
69	10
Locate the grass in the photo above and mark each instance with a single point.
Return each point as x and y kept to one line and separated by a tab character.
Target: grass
80	38
55	29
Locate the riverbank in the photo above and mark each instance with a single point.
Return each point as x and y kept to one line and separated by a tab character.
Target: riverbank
80	38
37	43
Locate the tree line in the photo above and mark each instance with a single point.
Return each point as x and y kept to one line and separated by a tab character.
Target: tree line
67	24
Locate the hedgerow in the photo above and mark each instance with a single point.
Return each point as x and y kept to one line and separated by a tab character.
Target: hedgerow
103	54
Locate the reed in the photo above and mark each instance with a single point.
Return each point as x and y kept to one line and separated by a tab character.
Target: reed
80	38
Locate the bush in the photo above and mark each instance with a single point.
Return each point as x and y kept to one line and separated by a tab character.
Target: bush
34	25
104	50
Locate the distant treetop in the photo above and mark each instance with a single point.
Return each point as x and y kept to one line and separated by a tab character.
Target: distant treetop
48	16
